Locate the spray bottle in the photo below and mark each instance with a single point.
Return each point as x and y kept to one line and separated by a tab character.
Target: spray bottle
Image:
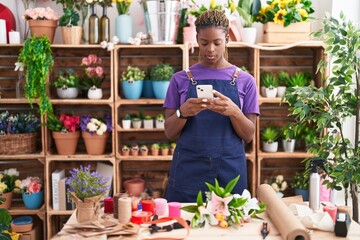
314	192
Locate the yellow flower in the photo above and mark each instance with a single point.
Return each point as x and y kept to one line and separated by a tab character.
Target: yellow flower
279	16
18	183
128	2
284	3
212	4
275	2
1	176
297	1
303	13
3	187
232	6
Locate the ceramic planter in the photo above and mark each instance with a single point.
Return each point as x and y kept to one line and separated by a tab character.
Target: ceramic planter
136	124
134	186
95	93
148	123
164	151
8	199
33	200
43	27
134	151
95	144
160	123
125	152
281	91
249	35
126	124
270	146
288	145
155	151
144	151
132	90
303	192
66	142
67	93
160	88
270	92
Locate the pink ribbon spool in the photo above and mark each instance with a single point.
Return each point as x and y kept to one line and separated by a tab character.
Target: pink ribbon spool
174	209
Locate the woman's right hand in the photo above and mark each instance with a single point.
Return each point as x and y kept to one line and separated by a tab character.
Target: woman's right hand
193	106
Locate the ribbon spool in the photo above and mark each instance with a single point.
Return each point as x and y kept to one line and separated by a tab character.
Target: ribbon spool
108	205
124	209
116	204
139	217
148	205
161	207
174	209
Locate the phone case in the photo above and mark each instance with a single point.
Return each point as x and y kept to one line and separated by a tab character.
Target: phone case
204	91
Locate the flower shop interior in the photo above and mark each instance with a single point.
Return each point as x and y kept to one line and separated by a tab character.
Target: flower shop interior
83	150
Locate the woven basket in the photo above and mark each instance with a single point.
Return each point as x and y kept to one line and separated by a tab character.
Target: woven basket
18	143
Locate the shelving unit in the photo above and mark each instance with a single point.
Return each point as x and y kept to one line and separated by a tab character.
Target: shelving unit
153	169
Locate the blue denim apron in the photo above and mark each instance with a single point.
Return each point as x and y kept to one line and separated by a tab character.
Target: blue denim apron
208	148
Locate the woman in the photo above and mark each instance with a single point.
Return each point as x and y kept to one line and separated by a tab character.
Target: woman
210	131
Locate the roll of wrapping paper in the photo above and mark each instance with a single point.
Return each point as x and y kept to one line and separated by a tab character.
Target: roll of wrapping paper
116	204
285	221
124	208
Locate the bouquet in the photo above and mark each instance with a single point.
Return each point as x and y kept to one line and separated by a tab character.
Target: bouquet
84	183
285	11
18	123
222	207
96	125
94	73
31	185
40	13
9	181
65	123
277	183
122	6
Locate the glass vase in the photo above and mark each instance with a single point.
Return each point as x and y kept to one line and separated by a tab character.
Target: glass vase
104	26
20	83
123	27
93	26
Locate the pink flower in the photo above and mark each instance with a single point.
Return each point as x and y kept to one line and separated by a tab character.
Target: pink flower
34	187
220	205
90	71
40	13
92	58
85	61
99	71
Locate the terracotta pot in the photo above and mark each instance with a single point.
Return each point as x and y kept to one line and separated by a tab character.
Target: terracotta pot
66	143
135	186
43	27
95	144
155	152
71	35
164	151
8	198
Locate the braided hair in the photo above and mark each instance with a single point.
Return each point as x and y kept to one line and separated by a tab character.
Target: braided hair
212	18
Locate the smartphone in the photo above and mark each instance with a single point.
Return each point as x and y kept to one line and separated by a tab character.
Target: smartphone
204	91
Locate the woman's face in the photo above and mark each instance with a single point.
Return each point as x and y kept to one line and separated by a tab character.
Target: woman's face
212	41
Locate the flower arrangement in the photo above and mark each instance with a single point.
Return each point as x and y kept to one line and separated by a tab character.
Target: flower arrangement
18	123
94	74
8	181
40	13
64	123
96	125
222	207
84	183
132	74
66	79
277	183
122	6
285	11
31	185
196	10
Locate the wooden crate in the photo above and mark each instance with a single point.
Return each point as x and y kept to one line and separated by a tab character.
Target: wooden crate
277	33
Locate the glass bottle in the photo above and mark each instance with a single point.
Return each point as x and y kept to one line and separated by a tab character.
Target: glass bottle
20	83
85	23
104	26
93	26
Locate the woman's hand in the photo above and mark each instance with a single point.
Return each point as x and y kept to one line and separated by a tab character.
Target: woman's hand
193	106
223	105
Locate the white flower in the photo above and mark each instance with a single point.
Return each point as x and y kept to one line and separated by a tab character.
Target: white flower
103	127
115	39
104	44
91	127
11	172
251	203
207	216
89	1
99	132
94	121
279	178
283	186
110	46
275	187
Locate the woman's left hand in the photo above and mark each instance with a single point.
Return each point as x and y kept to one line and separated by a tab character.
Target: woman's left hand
223	105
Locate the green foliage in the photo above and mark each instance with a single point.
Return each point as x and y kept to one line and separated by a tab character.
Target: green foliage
291	131
66	79
37	57
248	9
268	80
300	181
283	78
161	72
127	117
164	146
298	79
133	74
160	116
5	217
155	146
270	134
70	18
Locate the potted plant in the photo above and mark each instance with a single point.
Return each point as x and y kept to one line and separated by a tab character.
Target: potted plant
164	149
94	76
136	122
160	75
278	184
134	150
155	149
65	132
148	122
144	150
71	32
125	150
32	192
66	84
300	183
289	134
126	121
283	81
269	137
328	107
270	83
299	79
8	185
95	132
160	121
5	229
172	147
148	91
132	81
36	55
248	9
86	189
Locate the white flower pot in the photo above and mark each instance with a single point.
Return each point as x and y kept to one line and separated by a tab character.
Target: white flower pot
281	91
249	35
136	124
95	93
160	123
67	93
270	147
288	145
270	92
262	91
126	124
148	123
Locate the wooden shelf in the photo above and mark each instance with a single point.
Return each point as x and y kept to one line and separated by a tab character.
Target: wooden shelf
81	102
289	155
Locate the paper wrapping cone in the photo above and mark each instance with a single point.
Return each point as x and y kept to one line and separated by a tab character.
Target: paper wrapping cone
285	221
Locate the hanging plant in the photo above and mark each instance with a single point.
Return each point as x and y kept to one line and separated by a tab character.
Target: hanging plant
36	55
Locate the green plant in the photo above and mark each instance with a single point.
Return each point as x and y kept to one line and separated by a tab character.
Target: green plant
164	145
298	79
148	117
155	146
63	123
66	79
160	116
5	220
143	147
268	80
161	72
283	78
291	131
133	74
123	6
125	148
36	55
328	107
9	181
270	134
136	119
127	116
285	12
248	10
197	10
18	123
300	181
173	145
70	18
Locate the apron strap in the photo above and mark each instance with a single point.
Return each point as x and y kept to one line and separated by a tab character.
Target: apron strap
235	76
190	76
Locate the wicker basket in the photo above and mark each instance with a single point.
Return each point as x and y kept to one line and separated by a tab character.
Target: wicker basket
18	143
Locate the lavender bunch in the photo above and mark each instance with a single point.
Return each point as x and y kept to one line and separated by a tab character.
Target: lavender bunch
19	123
4	116
85	183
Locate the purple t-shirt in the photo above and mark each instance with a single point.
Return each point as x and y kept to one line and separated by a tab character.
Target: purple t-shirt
179	85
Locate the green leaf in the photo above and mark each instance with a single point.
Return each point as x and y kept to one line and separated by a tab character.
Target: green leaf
190	208
230	185
199	199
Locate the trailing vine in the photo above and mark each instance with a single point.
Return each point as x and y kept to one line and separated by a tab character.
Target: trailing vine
36	55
